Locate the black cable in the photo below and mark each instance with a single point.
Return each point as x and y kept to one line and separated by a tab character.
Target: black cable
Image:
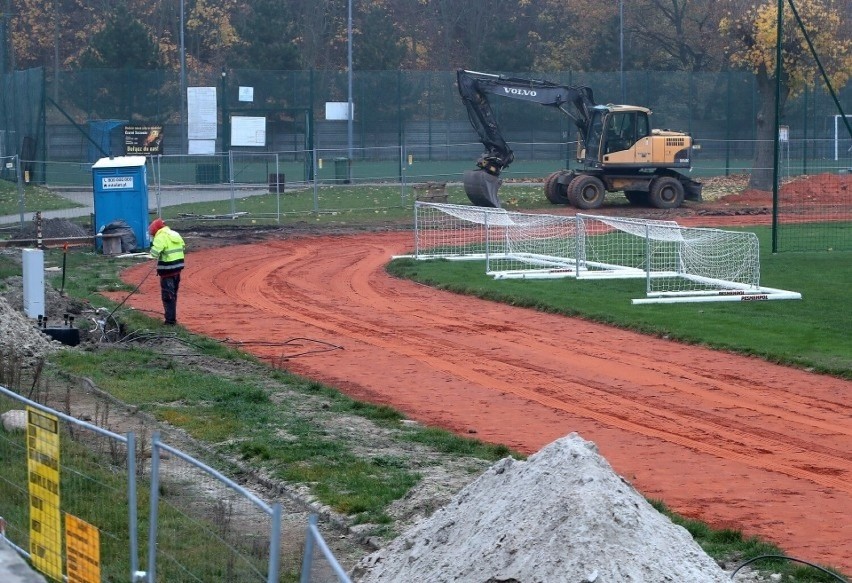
146	336
753	559
127	297
329	346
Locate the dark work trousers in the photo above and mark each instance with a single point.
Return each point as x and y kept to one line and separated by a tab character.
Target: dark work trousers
169	290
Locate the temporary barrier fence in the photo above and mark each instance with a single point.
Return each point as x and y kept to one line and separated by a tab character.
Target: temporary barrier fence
233	534
65	479
319	563
71	494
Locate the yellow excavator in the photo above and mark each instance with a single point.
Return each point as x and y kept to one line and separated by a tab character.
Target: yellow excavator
617	148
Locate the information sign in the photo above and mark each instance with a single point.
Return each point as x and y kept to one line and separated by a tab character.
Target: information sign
83	548
43	474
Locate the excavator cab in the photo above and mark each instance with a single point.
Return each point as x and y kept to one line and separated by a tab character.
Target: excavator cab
614	129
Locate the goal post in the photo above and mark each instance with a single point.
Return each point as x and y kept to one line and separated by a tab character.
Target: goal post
448	231
837	123
678	264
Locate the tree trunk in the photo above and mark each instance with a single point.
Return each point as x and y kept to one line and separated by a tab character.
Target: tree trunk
764	150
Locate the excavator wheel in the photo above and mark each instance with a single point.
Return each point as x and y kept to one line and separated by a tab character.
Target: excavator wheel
481	188
636	197
553	190
666	192
586	192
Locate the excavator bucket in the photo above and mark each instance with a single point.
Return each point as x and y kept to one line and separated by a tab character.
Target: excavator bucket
481	188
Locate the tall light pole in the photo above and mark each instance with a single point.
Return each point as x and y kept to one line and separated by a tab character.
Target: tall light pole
184	130
349	115
621	47
3	34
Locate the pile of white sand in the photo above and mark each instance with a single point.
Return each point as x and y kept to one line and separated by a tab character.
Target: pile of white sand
561	516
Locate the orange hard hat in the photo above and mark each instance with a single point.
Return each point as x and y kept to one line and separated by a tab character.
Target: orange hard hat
155	226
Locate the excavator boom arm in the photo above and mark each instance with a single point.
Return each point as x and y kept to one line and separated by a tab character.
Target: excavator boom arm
475	87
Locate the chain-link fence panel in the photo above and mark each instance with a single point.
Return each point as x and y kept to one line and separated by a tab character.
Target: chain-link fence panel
69	486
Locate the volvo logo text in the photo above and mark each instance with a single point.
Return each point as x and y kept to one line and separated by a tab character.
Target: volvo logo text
529	92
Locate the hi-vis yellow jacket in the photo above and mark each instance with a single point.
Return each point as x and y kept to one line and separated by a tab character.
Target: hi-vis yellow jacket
168	249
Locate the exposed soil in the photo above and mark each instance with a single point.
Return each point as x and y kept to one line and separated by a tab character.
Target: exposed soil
730	440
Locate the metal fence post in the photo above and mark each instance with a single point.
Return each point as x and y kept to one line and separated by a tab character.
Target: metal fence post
159	179
277	191
402	167
274	544
132	512
151	575
19	179
316	182
308	558
231	181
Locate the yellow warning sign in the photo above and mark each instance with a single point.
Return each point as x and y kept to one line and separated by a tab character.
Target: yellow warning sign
43	474
83	549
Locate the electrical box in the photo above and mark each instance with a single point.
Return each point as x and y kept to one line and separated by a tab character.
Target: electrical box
32	261
121	194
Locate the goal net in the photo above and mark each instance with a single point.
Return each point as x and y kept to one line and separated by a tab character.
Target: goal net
448	231
678	264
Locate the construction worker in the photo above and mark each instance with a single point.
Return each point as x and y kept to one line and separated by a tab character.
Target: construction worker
167	248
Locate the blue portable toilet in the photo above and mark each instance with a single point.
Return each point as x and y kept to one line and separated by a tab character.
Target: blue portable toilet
121	194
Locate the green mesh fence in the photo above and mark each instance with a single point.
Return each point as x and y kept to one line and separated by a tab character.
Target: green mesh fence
411	125
22	111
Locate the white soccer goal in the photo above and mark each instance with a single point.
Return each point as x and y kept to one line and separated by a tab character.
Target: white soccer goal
532	244
448	231
679	264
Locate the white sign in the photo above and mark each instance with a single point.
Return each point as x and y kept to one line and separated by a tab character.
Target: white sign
337	110
248	131
246	94
201	113
202	147
783	133
116	182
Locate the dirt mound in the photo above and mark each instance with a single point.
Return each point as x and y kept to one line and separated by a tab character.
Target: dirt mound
563	515
54	229
820	189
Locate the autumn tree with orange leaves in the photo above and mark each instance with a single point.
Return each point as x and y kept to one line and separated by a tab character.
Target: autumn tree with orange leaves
752	42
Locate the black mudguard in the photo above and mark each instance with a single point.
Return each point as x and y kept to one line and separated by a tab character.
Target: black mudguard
692	189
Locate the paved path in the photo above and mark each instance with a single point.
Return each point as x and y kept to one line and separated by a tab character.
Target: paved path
13	568
167	197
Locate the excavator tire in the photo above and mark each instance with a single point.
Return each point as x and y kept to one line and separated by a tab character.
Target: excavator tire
586	192
481	188
666	192
554	190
